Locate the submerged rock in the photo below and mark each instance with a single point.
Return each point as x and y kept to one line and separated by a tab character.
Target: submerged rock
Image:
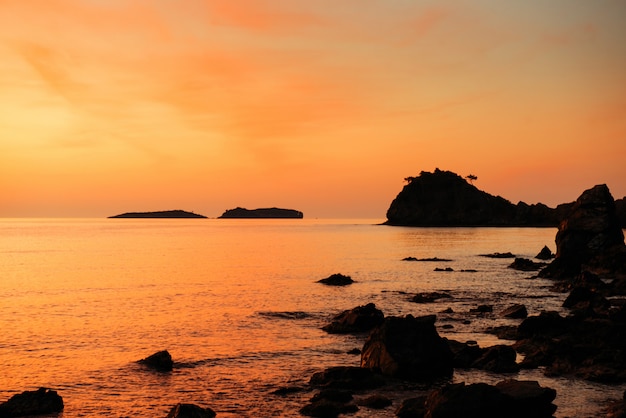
408	348
160	361
430	297
187	410
37	402
359	319
337	279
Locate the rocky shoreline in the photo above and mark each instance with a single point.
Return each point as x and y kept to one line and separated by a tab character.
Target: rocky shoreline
588	342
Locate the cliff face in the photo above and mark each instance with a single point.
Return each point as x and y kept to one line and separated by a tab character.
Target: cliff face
262	213
443	198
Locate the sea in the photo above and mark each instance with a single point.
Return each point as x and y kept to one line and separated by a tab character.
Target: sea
237	304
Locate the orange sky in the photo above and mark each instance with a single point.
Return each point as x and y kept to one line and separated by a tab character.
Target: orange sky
324	106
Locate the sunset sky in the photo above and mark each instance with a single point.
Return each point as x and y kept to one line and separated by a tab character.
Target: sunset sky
325	106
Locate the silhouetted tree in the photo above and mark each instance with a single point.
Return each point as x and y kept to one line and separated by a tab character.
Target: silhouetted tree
471	178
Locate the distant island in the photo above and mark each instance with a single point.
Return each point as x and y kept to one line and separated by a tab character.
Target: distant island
443	198
271	213
160	214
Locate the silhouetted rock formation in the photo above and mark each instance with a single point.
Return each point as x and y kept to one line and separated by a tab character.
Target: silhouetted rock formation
160	214
270	213
544	254
359	319
409	348
188	410
443	198
509	398
336	279
36	402
160	361
589	237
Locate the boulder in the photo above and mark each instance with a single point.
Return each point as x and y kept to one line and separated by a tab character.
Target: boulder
329	403
545	254
336	279
524	264
511	398
590	237
375	402
37	402
482	309
516	311
160	361
347	378
547	323
409	348
498	359
359	319
412	408
188	410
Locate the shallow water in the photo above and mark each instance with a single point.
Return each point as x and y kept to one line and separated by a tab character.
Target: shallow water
237	305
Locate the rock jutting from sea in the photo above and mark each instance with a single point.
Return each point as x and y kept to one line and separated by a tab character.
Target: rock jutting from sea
160	214
443	198
261	213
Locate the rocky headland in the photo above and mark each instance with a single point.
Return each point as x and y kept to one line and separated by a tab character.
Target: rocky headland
160	214
443	198
265	213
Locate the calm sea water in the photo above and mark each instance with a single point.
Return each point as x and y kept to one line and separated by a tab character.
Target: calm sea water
237	305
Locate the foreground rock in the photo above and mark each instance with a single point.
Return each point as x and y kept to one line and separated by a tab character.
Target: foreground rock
589	238
160	361
359	319
329	403
337	279
267	213
187	410
509	398
38	402
408	348
443	198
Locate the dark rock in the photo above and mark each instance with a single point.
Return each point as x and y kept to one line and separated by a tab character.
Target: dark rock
443	198
498	255
427	259
409	348
507	399
188	410
547	323
375	402
527	398
482	309
590	236
477	400
160	361
430	297
497	359
359	319
160	214
545	254
346	377
354	351
504	332
337	279
516	311
524	264
412	408
617	409
444	269
464	354
588	300
262	213
329	403
37	402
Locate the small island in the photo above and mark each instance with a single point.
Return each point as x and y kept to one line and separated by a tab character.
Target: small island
262	213
173	214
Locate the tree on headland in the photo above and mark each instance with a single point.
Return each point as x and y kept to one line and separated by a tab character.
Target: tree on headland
471	178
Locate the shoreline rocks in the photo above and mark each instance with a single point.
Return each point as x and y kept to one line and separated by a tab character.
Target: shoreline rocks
37	402
359	319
